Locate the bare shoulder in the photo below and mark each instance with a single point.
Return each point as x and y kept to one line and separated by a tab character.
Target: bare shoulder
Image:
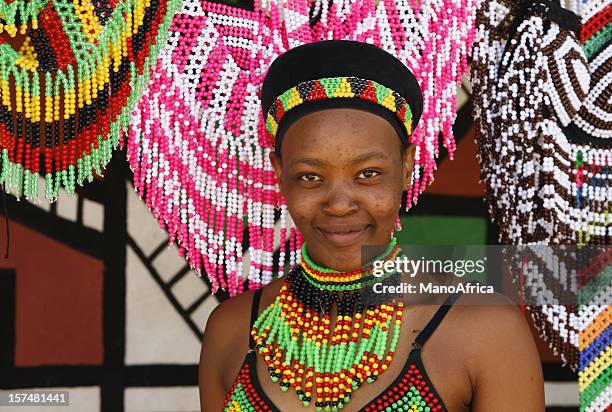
499	350
492	324
225	333
490	308
232	310
225	344
227	327
232	316
228	322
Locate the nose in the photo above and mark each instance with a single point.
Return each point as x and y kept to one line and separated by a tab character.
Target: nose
339	202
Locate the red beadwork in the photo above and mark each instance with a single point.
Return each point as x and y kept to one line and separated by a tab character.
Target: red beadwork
383	401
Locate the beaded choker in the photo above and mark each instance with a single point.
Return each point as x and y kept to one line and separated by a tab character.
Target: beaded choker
328	279
322	361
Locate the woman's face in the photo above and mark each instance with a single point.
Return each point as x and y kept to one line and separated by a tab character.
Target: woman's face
342	175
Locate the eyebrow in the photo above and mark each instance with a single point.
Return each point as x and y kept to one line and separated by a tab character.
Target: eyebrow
309	161
359	159
370	156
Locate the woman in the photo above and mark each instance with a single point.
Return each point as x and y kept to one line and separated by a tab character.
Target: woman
341	123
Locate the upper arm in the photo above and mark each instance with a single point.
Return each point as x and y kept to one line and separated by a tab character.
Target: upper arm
226	335
508	372
212	392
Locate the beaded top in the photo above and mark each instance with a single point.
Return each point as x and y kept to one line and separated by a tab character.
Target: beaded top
412	390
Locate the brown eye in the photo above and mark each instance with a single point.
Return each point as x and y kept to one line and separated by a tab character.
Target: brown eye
368	174
309	177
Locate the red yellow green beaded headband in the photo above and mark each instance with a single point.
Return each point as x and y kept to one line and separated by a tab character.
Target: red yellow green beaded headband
339	87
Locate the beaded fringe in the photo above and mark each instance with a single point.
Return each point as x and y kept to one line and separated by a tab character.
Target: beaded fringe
61	120
545	163
198	144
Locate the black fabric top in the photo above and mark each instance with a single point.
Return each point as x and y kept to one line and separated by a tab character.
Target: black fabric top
338	58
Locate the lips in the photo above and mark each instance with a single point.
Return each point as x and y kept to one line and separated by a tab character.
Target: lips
343	235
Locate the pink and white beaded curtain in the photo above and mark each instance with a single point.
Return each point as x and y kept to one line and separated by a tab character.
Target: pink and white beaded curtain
197	142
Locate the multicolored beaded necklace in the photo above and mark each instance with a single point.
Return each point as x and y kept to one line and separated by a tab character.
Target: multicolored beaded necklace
302	348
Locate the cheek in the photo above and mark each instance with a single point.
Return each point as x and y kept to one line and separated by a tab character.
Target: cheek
385	206
384	201
301	205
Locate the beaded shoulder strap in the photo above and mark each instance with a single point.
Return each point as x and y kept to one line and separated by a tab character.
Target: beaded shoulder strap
254	310
435	321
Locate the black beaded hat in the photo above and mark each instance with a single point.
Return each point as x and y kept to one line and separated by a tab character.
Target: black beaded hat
339	73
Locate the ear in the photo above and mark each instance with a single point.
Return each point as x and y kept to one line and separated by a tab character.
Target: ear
276	165
408	165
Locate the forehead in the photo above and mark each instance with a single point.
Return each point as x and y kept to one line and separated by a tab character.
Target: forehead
332	132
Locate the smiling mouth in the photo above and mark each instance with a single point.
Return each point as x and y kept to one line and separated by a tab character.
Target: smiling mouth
343	236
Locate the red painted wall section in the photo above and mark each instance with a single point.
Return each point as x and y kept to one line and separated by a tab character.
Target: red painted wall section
58	308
